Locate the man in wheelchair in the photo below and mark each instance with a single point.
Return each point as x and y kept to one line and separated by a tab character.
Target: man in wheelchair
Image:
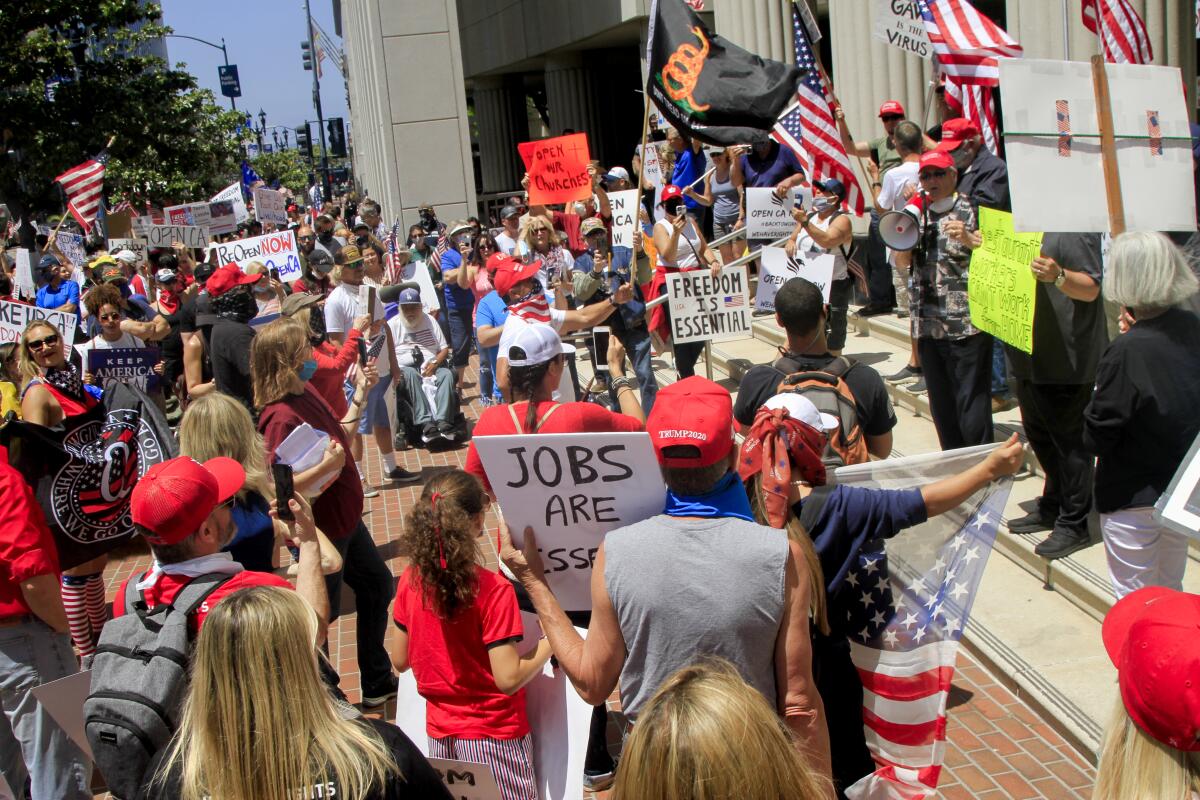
427	404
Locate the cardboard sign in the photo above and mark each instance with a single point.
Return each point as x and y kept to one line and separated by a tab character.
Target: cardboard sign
1179	506
708	309
273	250
1001	288
557	169
770	217
166	235
467	781
71	246
1052	140
624	217
196	215
418	273
15	316
778	268
137	246
223	220
900	25
63	701
270	206
233	193
572	488
26	286
119	225
132	365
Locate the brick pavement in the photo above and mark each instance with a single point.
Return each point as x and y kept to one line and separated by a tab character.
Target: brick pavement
998	747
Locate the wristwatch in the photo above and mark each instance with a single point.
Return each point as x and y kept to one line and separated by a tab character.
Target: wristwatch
1061	279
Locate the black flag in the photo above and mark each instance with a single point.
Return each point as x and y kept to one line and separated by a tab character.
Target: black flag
83	474
708	88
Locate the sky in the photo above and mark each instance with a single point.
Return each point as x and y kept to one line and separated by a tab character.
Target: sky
263	38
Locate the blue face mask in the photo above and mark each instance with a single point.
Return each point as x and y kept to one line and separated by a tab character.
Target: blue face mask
308	369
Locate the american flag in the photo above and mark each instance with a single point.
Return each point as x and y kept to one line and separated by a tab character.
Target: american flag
326	47
1121	31
84	186
965	42
808	126
123	206
904	608
734	301
392	269
443	245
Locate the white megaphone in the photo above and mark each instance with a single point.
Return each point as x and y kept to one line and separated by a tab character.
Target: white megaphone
899	229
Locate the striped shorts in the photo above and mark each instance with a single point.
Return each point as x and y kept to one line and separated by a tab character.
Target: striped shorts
511	761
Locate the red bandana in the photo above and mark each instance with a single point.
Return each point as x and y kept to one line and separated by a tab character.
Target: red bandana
776	445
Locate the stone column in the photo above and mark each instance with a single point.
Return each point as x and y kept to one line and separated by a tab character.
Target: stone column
569	97
764	27
499	131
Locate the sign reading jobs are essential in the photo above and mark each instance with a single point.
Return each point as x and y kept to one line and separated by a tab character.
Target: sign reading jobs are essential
571	489
273	250
769	216
708	309
899	23
557	169
15	316
778	268
1001	289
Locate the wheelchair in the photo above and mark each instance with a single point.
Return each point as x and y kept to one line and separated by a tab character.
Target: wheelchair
409	436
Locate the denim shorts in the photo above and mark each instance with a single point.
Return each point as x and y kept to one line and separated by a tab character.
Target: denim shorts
375	415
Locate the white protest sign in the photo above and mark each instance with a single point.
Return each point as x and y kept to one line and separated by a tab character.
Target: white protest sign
167	235
1179	506
1052	139
63	701
233	193
71	246
417	272
195	215
273	250
708	309
778	268
467	780
624	217
572	488
139	224
651	166
15	316
23	277
222	218
137	246
270	206
898	22
767	215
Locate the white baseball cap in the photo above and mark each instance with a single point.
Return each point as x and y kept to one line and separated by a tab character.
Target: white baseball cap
540	343
126	255
801	408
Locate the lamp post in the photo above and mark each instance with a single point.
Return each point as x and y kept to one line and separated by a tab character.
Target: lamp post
220	47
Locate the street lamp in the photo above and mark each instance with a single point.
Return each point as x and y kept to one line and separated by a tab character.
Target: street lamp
262	120
220	47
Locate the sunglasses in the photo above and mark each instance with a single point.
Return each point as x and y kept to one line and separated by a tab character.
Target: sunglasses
486	246
890	117
307	238
933	173
109	317
38	344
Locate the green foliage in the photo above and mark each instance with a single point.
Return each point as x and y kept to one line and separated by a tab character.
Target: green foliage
173	143
286	166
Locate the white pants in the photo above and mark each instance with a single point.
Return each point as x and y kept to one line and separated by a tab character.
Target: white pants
1141	552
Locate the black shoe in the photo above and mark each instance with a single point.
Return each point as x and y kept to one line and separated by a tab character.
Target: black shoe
874	310
908	373
401	475
1033	522
446	431
429	431
376	696
1062	542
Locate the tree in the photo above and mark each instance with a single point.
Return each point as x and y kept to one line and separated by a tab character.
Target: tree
286	166
75	73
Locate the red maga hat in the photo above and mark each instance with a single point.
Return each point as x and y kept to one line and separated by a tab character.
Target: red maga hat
694	412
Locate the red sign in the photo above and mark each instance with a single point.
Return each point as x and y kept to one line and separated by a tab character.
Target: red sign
557	169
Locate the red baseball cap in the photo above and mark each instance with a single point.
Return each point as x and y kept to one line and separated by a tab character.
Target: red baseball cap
496	260
511	272
670	192
172	500
937	159
226	278
696	412
955	132
1153	639
891	107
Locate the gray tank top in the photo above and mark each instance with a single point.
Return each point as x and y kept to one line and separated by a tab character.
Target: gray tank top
684	589
725	199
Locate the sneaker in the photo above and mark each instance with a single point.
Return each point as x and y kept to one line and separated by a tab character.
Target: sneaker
598	781
378	696
1062	542
369	490
1037	520
916	388
874	310
446	431
429	432
908	373
401	475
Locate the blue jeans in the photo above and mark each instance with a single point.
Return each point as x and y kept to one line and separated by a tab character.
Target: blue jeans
487	381
462	328
637	348
999	371
32	745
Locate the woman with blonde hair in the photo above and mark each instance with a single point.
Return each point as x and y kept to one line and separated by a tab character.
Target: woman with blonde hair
258	722
538	241
707	735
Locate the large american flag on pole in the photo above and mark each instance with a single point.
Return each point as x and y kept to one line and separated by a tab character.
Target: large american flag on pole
908	603
1122	32
84	187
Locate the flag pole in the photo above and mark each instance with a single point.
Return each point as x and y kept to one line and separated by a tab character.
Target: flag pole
642	155
1108	148
1066	30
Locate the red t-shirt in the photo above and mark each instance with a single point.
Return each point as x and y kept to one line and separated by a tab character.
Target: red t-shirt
332	363
567	418
339	508
27	548
167	586
450	661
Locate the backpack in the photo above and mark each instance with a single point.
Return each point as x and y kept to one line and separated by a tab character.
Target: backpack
828	391
139	678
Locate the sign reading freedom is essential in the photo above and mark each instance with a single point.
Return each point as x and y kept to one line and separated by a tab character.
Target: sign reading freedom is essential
272	250
270	206
557	169
899	23
15	316
572	488
1001	288
132	365
624	217
167	235
778	268
708	309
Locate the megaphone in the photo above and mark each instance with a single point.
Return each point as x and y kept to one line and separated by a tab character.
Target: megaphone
899	230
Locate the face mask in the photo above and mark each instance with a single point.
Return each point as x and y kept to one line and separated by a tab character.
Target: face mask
534	291
325	236
316	326
307	370
943	205
824	203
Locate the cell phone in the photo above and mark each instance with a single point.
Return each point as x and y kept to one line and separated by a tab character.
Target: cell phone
798	200
600	336
362	352
284	490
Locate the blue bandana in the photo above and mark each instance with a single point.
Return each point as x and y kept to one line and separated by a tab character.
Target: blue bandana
727	499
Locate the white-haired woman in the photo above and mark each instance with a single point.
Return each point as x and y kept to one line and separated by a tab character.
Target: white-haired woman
1143	416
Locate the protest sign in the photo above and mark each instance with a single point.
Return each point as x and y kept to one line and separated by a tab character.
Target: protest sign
557	169
651	165
63	701
132	365
71	246
467	780
270	206
23	280
708	309
272	250
136	245
1001	289
418	273
222	218
15	316
138	225
119	226
572	488
899	23
1179	506
624	217
196	215
167	235
768	216
778	268
233	193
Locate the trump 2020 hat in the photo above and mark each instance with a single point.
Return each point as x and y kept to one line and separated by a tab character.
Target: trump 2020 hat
693	419
172	500
955	132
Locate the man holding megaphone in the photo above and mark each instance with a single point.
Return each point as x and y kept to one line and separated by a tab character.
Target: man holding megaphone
936	244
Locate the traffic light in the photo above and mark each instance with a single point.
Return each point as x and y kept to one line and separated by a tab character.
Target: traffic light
306	54
303	142
337	137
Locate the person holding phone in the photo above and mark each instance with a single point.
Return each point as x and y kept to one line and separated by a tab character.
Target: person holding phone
825	230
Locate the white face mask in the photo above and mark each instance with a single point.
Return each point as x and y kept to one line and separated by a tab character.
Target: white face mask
943	205
824	203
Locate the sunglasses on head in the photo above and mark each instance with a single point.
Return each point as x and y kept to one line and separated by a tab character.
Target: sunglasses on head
933	173
38	344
